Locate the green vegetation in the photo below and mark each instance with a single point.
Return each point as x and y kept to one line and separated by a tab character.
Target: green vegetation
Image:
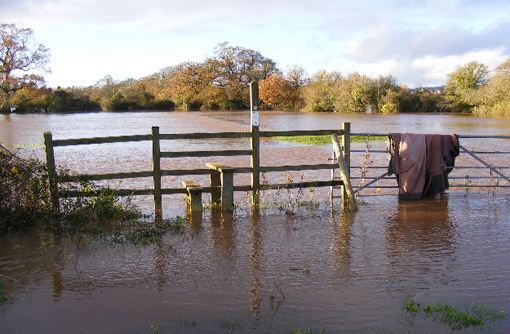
304	331
412	307
457	319
24	195
229	325
220	82
474	315
5	298
323	140
25	200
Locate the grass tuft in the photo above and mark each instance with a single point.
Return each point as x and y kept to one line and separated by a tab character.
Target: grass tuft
456	319
305	331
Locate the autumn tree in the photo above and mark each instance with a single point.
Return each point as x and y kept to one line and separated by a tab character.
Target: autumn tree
191	86
277	93
235	67
283	92
22	61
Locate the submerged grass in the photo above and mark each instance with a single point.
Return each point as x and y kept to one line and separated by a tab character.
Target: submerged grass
305	331
322	140
412	307
455	318
140	233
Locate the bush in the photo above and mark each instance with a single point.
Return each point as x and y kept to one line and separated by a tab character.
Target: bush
24	194
25	199
105	206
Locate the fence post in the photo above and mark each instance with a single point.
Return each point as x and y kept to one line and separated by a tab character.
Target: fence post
52	173
255	143
346	146
156	172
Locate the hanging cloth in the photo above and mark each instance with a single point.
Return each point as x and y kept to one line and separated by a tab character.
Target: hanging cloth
422	162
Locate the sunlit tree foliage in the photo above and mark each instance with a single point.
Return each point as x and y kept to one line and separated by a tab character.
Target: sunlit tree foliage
21	61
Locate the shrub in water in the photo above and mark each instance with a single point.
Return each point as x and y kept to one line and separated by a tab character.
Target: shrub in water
25	199
24	195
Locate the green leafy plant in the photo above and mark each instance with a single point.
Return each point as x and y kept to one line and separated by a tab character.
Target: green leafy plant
411	306
5	298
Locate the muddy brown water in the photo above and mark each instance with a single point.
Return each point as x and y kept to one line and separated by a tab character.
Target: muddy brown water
269	271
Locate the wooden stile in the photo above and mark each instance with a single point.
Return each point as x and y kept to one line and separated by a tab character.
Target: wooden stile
193	195
221	185
226	178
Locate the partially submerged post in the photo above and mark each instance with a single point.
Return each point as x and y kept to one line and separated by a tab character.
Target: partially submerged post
52	173
344	173
346	148
255	144
156	170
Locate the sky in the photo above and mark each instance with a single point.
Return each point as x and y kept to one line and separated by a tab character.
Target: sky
418	42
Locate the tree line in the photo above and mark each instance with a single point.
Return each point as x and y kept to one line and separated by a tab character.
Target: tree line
220	82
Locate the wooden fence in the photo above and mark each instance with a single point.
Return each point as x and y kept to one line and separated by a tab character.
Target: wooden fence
221	186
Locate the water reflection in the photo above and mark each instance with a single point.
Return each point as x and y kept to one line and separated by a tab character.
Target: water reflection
341	240
421	240
255	281
194	219
223	235
160	264
56	272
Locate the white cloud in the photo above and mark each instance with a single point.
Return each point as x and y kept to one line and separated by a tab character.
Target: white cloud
393	42
417	41
435	68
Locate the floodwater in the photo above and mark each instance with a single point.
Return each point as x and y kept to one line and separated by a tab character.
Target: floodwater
269	271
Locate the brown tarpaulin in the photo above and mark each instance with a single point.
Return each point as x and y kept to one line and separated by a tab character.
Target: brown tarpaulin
421	162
